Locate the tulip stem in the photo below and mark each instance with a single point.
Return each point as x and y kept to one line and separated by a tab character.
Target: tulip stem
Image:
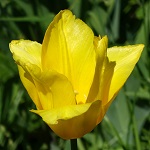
73	144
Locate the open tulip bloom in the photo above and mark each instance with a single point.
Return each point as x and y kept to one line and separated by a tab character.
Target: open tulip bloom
73	77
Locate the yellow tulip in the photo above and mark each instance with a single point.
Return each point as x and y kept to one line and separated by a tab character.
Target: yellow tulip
72	77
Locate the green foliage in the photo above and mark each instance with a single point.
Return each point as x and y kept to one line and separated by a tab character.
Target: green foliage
127	123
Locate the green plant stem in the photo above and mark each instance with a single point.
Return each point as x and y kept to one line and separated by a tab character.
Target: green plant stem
73	144
135	130
115	132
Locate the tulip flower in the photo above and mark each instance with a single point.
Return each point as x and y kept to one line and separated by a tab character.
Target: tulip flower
73	77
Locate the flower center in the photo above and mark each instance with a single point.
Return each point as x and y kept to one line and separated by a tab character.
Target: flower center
80	98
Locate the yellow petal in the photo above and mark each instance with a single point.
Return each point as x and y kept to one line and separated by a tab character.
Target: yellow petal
103	111
103	72
54	89
30	86
68	49
50	89
125	58
71	122
26	52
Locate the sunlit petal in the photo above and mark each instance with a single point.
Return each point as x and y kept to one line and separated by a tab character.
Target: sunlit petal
125	58
26	52
72	121
68	49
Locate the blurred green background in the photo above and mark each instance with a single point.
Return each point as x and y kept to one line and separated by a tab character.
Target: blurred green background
127	123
